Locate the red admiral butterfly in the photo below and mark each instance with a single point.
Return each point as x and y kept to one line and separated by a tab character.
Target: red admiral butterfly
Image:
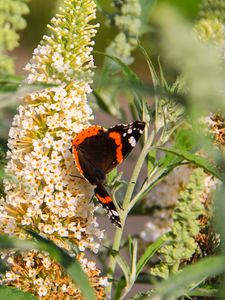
97	151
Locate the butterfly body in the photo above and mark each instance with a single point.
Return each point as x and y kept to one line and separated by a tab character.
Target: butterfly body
97	151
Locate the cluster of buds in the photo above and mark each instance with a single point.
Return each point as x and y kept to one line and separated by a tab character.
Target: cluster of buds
128	23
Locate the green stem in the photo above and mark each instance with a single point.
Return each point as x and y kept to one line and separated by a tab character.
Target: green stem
125	211
149	185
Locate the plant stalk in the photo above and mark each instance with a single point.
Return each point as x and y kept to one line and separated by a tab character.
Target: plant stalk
125	206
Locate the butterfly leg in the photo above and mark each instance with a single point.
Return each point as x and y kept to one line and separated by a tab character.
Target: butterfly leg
76	176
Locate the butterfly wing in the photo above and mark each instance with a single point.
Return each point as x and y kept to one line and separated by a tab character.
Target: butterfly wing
126	137
94	153
107	203
97	151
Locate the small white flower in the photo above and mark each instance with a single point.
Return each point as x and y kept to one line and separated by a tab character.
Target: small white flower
103	281
32	272
10	276
57	226
60	94
42	291
26	221
64	288
48	229
48	141
63	232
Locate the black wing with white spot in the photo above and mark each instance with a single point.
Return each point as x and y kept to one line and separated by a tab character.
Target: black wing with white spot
130	134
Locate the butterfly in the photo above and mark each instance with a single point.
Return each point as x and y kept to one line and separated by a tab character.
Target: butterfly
97	150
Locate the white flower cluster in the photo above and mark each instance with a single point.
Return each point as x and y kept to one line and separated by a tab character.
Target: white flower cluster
164	197
44	195
41	191
166	193
129	24
65	55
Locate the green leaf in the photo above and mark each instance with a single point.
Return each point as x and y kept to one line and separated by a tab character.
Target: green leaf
10	243
7	293
184	139
10	83
146	7
178	284
142	296
138	107
135	84
196	159
219	209
101	102
188	8
71	265
124	266
146	256
219	213
204	292
133	246
154	76
119	287
133	78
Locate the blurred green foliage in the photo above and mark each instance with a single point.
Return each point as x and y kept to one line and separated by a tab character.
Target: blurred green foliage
11	21
183	74
187	8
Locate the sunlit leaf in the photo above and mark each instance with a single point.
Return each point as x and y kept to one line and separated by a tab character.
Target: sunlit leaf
204	292
124	266
9	293
197	160
178	284
71	265
146	256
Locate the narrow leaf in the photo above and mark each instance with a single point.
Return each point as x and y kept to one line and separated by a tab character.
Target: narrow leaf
7	293
204	292
149	252
101	102
124	266
131	245
197	160
177	285
125	69
71	265
133	258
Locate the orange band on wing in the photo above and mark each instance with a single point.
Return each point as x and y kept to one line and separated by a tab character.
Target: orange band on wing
76	159
80	137
104	200
117	138
86	133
